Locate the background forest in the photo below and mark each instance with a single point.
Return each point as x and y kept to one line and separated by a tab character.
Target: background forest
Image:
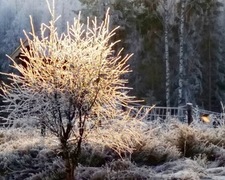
178	46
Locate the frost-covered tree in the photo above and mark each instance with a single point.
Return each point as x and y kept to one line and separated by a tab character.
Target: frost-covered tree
69	81
149	63
210	57
181	54
203	53
14	18
166	51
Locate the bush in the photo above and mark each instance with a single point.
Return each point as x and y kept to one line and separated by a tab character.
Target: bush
68	82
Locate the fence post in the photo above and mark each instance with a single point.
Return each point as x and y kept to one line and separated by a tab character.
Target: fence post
189	113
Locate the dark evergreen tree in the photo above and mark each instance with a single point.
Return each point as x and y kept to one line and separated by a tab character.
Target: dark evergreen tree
210	54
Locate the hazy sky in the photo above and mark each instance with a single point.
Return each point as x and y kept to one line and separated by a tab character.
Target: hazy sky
14	18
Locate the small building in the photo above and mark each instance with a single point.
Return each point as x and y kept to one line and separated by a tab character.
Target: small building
17	55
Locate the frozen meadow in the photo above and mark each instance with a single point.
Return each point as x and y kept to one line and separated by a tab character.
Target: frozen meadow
164	151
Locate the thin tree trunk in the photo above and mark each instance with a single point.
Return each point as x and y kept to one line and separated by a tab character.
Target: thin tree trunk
210	74
69	165
166	23
181	54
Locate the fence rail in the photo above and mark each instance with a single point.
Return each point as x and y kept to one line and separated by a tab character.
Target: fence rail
186	113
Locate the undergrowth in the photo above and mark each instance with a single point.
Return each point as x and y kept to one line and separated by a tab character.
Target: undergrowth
25	154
